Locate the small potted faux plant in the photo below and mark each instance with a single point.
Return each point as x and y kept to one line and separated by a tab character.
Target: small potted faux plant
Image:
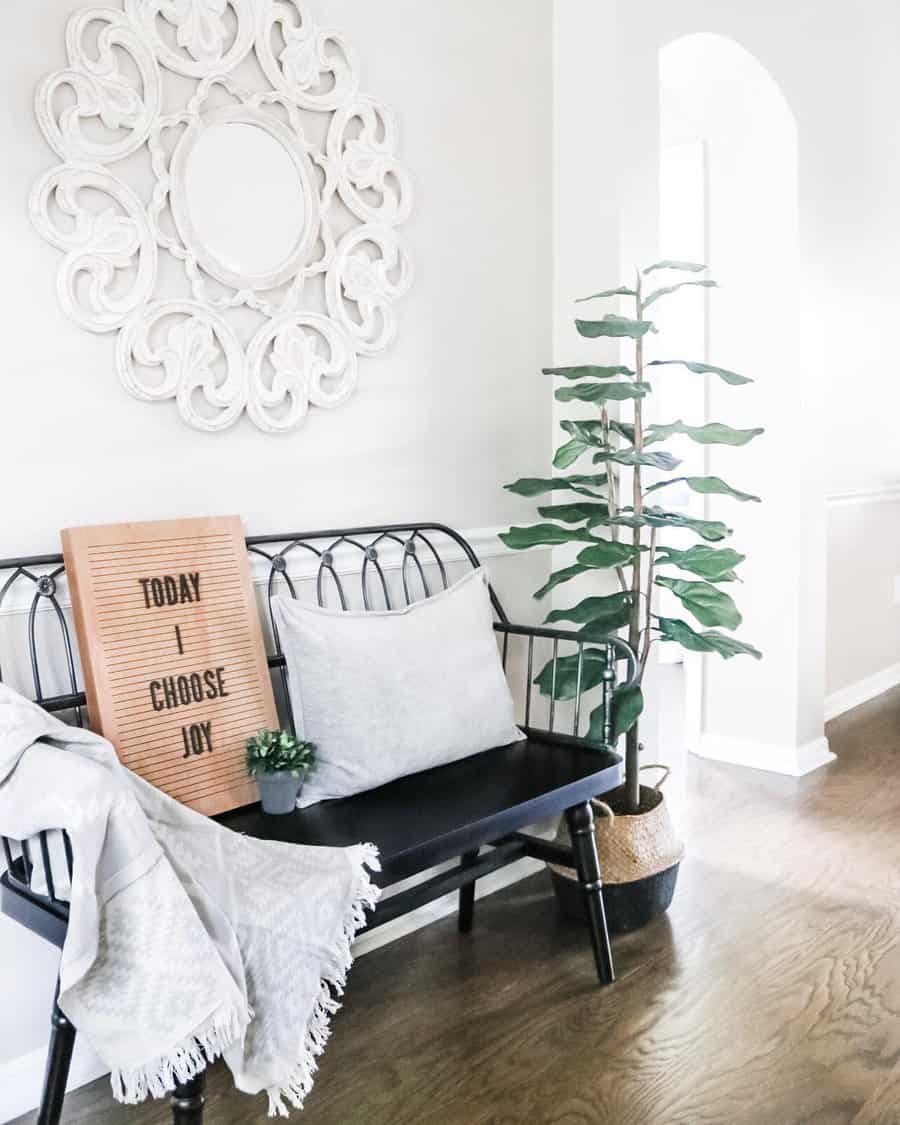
279	762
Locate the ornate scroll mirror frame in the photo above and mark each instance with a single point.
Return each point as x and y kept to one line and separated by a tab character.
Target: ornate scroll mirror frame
329	297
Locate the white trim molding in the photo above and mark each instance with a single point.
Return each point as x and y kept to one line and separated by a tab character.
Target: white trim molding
846	698
794	761
880	494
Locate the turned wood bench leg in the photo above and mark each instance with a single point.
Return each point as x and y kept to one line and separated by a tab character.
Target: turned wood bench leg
467	896
188	1100
584	847
59	1056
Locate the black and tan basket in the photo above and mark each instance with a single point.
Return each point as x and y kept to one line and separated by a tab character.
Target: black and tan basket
639	858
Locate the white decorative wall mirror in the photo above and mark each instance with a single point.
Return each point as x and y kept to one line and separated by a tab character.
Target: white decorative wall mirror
275	189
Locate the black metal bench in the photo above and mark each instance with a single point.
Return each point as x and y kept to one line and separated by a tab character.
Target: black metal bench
474	811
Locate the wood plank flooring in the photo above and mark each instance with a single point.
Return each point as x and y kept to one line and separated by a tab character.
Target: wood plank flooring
770	994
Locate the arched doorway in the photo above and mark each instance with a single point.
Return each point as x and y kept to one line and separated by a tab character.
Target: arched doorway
729	196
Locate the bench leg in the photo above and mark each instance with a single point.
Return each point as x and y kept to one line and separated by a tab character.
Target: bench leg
467	896
584	847
188	1100
59	1056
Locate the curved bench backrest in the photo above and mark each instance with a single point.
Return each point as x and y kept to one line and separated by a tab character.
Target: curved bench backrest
371	568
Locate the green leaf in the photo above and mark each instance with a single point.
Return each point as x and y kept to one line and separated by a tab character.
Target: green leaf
588	371
606	553
724	374
631	457
622	291
712	530
623	429
707	603
568	453
713	564
536	486
558	577
593	666
627	705
614	326
592	514
713	433
706	485
603	392
669	264
588	432
543	535
665	290
596	726
607	613
711	641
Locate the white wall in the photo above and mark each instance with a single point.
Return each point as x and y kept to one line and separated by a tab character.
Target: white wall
863	606
453	410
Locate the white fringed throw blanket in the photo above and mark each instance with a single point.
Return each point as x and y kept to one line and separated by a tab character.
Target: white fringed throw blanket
186	940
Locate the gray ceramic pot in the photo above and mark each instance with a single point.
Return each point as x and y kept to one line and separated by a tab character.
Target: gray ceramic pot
279	791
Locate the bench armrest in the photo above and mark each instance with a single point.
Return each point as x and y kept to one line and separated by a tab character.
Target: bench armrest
574	671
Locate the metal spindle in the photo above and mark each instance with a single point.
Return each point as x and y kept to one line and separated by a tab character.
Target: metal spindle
577	721
528	684
67	846
7	851
26	860
32	649
553	684
48	867
609	681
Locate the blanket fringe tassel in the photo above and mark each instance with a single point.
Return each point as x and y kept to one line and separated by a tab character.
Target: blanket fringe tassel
184	1061
210	1040
364	897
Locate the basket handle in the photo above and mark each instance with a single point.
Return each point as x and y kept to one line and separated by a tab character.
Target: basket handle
603	807
659	766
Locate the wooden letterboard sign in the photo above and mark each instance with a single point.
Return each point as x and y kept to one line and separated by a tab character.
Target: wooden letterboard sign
174	661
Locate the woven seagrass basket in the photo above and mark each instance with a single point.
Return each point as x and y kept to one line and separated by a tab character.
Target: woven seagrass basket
639	857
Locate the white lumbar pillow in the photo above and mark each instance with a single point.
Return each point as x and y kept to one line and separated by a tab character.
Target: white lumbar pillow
387	693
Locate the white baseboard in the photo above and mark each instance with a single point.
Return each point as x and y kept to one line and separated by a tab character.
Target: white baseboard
22	1078
795	761
845	699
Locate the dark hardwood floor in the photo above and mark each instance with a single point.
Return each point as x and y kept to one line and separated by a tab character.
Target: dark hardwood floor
770	995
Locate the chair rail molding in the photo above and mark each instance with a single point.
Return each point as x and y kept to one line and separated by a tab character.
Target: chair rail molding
301	252
874	494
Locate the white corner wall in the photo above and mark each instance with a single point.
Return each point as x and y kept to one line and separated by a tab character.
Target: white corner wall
455	408
843	320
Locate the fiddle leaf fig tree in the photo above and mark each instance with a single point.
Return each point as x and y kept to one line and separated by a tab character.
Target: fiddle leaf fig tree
620	534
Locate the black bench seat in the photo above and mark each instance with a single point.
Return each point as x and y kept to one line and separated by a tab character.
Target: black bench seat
426	818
